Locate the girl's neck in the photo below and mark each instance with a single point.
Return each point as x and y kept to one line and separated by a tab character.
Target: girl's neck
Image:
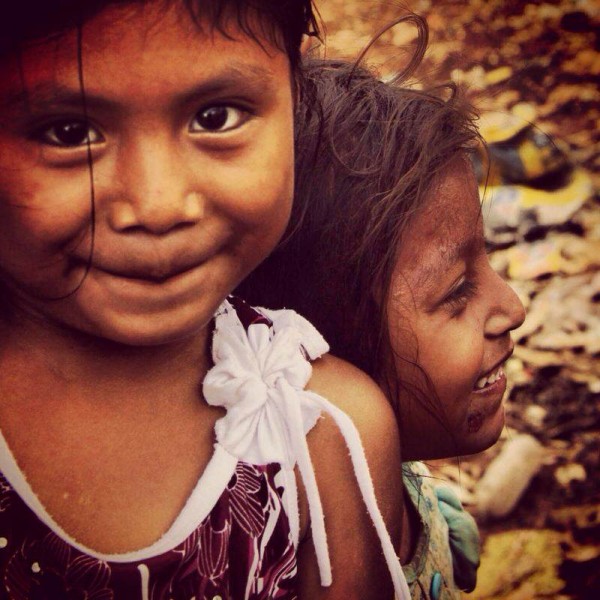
65	358
99	425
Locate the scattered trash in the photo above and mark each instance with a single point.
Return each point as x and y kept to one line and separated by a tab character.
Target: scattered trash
521	563
566	474
535	415
510	212
507	476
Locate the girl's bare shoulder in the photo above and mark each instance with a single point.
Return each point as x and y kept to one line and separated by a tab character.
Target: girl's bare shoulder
360	398
355	393
355	551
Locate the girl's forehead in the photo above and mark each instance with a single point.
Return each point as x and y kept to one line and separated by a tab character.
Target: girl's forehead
155	23
151	46
452	197
447	227
147	20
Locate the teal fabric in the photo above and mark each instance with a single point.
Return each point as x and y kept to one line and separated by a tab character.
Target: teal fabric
464	538
446	553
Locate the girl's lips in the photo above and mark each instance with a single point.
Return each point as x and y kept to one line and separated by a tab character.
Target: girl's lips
494	375
486	402
498	386
148	276
144	288
146	266
490	378
149	273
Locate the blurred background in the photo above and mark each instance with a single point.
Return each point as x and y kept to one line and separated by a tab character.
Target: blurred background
533	71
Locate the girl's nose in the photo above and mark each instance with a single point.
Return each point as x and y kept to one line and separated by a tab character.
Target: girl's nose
507	312
156	193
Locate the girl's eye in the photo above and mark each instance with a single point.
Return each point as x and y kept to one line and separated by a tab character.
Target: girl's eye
457	299
69	133
218	118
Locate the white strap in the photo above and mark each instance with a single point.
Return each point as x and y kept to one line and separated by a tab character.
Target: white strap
317	518
260	376
365	484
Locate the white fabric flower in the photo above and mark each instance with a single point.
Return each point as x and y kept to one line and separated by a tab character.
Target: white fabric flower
259	377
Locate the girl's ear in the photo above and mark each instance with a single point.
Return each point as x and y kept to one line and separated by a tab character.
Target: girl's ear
305	45
309	44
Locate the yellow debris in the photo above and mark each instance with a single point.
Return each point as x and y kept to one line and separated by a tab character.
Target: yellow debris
498	75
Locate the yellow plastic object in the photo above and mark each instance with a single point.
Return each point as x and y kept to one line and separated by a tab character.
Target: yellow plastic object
578	189
496	127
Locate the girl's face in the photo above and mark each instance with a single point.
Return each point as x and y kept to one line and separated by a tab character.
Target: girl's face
451	315
190	146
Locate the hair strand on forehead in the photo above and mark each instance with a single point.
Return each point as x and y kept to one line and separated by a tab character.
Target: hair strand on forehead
281	22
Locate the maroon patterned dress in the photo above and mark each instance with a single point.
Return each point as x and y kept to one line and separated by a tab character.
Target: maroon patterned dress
231	553
232	539
237	536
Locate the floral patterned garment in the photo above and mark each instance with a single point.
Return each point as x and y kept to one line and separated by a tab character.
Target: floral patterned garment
237	535
241	547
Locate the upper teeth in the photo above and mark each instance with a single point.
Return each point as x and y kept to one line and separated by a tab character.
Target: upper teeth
489	379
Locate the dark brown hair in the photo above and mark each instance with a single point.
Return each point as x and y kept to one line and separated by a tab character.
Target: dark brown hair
367	152
282	22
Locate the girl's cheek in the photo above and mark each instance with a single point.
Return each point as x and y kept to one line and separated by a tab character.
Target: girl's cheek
453	356
255	197
49	211
260	182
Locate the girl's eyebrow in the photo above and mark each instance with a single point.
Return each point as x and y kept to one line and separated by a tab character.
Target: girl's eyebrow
42	95
247	78
446	257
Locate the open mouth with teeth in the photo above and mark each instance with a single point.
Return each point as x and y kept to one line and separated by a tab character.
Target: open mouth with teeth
489	379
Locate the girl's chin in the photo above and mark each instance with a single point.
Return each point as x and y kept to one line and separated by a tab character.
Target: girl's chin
478	432
483	430
134	330
141	334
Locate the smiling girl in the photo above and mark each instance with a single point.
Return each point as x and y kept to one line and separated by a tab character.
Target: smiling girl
386	255
148	448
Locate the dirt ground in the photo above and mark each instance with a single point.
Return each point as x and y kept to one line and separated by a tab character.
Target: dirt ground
537	63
